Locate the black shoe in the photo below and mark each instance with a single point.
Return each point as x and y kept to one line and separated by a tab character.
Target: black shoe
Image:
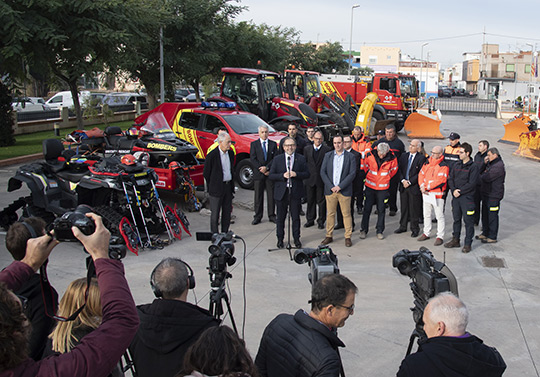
302	213
303	200
400	230
297	244
309	224
272	219
360	211
392	213
320	226
280	244
339	226
256	221
415	233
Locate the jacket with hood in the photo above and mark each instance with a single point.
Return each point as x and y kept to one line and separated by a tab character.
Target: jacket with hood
167	329
433	176
445	356
380	171
493	179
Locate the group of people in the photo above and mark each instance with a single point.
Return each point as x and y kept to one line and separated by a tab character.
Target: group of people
98	322
357	174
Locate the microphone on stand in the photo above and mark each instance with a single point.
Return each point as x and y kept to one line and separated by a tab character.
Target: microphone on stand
289	170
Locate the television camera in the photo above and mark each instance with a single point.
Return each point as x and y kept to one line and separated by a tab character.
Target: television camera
322	261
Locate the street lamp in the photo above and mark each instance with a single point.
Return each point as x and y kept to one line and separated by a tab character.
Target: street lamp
350	40
422	64
529	95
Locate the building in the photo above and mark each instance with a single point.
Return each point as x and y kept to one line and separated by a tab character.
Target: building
426	72
380	59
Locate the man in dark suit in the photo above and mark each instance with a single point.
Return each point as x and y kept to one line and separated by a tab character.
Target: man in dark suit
218	173
314	155
288	171
410	164
337	172
261	153
299	140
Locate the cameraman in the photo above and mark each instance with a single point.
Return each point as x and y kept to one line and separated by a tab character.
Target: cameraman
169	325
98	353
449	350
42	297
306	345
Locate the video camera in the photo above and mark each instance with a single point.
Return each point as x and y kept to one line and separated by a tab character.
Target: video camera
321	260
429	278
221	255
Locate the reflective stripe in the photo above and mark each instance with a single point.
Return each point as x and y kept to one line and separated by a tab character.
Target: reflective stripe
442	174
470	213
382	185
493	209
386	200
371	183
383	173
373	172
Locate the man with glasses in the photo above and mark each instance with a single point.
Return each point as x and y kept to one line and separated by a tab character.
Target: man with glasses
306	344
432	180
462	182
288	171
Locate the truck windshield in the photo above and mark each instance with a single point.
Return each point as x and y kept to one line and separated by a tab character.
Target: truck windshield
313	85
408	86
271	87
243	124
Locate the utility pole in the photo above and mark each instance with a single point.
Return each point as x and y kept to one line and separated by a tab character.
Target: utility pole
350	40
422	64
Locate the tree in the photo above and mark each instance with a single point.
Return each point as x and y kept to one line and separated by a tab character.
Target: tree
327	58
6	117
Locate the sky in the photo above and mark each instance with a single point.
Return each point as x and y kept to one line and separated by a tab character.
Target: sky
450	28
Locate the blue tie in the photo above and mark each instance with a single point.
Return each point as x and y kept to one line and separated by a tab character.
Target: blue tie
264	149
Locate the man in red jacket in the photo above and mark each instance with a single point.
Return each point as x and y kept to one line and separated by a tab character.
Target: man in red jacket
432	181
98	353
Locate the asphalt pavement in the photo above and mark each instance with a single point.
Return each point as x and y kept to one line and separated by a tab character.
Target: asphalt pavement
504	302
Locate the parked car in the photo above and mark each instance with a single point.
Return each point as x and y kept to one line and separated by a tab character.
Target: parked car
445	91
193	98
123	98
181	94
27	104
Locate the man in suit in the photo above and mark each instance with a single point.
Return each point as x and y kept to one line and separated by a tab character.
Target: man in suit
299	140
218	174
337	172
261	153
357	183
288	171
410	164
314	155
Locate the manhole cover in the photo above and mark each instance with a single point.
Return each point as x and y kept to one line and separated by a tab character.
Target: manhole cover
493	262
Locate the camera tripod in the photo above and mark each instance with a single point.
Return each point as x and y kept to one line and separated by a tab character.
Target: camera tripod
217	296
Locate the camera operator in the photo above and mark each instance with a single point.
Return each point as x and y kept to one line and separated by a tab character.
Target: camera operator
169	325
449	350
98	353
306	345
42	297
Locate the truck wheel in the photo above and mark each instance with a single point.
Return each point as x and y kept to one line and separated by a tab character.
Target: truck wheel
244	174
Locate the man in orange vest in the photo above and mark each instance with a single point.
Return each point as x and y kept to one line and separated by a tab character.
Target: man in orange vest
432	180
380	166
362	145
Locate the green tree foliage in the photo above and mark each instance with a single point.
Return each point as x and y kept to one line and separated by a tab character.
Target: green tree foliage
6	117
327	58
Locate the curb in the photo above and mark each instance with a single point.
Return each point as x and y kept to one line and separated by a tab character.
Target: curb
20	159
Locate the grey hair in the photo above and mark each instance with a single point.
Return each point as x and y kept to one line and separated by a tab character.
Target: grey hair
263	126
439	148
170	276
494	151
384	148
448	308
222	136
418	143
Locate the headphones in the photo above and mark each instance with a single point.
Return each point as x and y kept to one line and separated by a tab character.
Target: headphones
191	278
30	228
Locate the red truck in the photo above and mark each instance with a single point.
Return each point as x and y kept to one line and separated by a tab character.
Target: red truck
398	93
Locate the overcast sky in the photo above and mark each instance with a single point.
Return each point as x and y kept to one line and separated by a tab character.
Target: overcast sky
450	27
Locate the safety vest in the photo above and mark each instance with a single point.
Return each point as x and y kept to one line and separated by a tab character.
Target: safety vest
451	154
378	178
433	177
362	146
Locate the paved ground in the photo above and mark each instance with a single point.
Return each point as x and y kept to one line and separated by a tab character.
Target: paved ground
504	302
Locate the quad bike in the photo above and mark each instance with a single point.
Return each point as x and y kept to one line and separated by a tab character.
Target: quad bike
122	191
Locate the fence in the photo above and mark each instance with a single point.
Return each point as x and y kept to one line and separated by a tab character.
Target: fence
469	106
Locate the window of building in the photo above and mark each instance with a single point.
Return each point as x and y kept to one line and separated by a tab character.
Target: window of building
373	59
510	68
527	68
388	57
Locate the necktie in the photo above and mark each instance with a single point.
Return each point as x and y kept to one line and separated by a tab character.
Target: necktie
409	167
264	149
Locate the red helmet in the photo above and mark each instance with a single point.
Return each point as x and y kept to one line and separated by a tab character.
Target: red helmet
174	165
128	159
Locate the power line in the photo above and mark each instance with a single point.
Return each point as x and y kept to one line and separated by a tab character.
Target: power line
425	40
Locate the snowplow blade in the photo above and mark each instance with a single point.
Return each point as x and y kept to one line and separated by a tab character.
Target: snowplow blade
423	126
516	127
529	145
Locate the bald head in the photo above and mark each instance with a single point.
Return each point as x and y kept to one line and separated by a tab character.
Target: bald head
445	315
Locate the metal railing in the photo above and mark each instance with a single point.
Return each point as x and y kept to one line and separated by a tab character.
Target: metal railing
471	106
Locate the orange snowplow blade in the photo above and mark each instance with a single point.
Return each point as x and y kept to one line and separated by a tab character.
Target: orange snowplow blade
529	145
516	127
419	126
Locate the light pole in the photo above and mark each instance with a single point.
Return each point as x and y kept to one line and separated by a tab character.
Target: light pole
350	40
529	95
422	64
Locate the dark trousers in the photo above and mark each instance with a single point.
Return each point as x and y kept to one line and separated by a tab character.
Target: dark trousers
282	210
490	217
392	199
463	208
411	209
315	199
378	197
259	186
358	193
221	204
477	205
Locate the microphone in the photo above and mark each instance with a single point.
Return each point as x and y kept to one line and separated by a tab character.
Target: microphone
289	170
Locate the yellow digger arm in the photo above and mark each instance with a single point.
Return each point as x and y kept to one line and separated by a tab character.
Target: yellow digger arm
366	111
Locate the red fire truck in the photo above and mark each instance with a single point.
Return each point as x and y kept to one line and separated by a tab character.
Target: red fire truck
398	94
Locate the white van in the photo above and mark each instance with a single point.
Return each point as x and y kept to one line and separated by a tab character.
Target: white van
64	99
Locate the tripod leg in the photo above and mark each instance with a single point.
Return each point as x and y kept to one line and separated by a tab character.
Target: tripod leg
414	335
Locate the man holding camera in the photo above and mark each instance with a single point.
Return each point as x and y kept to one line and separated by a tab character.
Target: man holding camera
449	350
170	324
99	352
306	344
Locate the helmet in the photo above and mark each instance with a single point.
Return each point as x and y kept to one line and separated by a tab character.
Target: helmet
132	133
128	159
174	165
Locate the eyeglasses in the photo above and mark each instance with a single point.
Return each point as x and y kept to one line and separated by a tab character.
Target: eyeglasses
349	308
289	145
24	302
